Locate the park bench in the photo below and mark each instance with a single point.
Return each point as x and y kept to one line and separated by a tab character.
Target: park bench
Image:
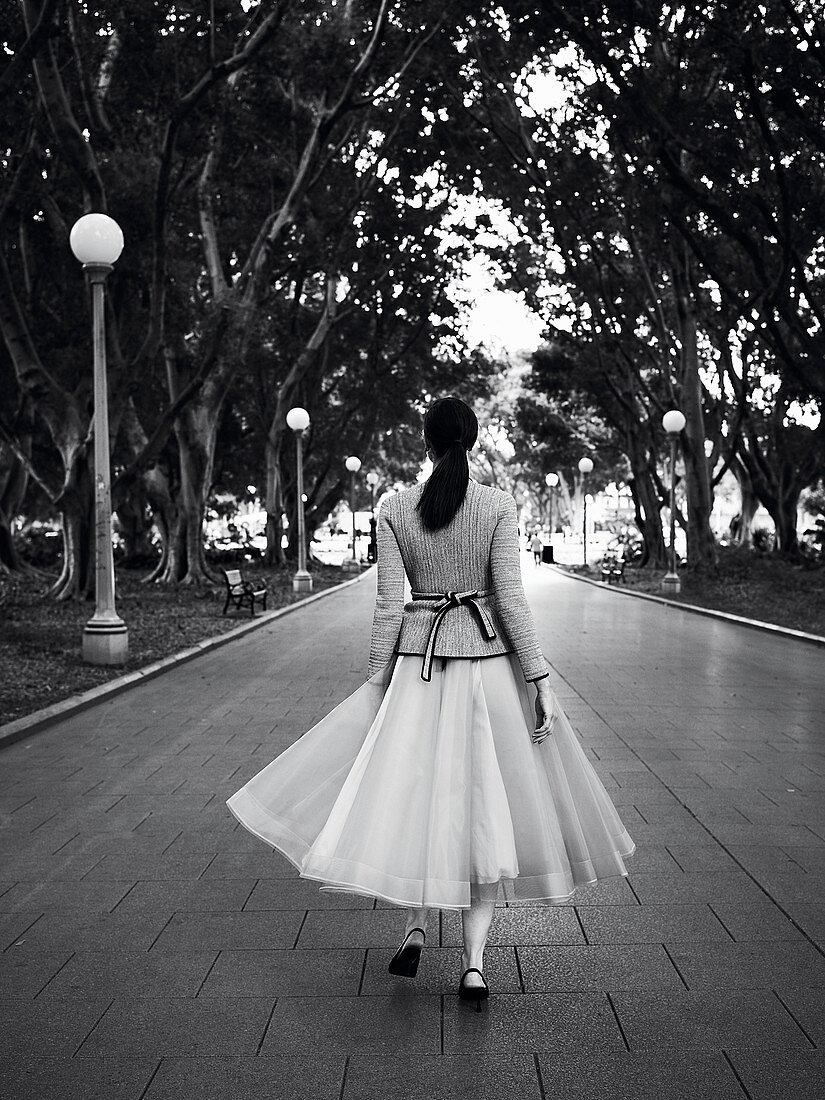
612	569
242	593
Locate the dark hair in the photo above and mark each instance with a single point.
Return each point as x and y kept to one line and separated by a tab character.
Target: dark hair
450	429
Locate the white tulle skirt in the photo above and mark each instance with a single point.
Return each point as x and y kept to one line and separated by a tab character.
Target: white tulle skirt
432	794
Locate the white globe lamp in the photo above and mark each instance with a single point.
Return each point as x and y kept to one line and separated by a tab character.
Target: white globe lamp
96	239
298	419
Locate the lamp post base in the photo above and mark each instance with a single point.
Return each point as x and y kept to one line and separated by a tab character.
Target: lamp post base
351	565
105	642
671	583
302	581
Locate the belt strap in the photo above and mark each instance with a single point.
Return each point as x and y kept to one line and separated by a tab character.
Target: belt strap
446	600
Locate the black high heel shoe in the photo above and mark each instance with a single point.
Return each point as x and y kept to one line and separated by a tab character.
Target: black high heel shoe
405	961
476	993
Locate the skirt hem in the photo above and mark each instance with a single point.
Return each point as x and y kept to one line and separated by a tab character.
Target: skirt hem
254	817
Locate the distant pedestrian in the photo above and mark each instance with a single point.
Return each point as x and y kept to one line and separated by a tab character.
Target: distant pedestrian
432	785
536	546
372	550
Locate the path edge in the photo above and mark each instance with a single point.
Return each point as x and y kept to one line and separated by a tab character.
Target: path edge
757	624
48	716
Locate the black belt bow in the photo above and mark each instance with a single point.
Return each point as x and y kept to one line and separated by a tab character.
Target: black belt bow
448	600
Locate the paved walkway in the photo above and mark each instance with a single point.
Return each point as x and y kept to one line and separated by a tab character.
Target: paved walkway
150	948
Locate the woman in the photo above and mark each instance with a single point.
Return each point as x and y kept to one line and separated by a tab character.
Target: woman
432	785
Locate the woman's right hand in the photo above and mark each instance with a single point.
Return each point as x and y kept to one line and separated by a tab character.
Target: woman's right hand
545	711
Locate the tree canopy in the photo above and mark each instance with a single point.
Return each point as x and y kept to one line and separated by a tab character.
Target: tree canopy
283	174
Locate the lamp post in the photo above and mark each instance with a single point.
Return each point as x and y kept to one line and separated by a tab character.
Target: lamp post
551	481
372	552
298	420
353	464
585	466
672	422
96	241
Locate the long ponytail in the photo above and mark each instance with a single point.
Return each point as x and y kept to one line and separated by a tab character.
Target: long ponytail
451	429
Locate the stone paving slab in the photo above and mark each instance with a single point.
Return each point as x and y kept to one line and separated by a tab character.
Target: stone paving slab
748	965
781	1075
187	897
45	1076
92	972
663	888
589	968
184	1026
139	922
87	895
532	1022
56	1026
72	929
758	921
26	974
482	1076
355	1025
265	1077
631	1076
284	973
243	930
651	924
717	1019
806	1005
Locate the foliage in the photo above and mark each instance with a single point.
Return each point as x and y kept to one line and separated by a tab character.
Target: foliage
672	223
276	171
282	173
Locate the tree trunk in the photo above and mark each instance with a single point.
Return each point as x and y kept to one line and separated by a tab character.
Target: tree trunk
646	501
154	486
701	544
77	577
749	502
649	519
159	517
564	505
10	560
195	433
785	521
575	502
13	484
780	460
135	526
291	505
273	503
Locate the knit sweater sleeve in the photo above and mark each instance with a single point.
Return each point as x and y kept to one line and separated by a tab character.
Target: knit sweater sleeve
389	599
511	605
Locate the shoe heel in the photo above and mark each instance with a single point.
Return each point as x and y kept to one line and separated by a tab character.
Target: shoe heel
473	993
404	962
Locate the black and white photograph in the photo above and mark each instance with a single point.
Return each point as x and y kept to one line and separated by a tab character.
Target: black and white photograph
412	550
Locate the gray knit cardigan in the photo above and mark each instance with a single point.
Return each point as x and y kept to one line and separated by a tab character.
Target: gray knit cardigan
477	550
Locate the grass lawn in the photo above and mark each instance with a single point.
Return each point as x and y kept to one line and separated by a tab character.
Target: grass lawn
40	638
756	586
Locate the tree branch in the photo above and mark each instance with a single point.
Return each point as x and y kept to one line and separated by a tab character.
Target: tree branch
36	38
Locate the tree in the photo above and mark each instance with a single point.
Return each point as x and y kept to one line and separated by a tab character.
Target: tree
53	167
677	190
720	104
236	130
